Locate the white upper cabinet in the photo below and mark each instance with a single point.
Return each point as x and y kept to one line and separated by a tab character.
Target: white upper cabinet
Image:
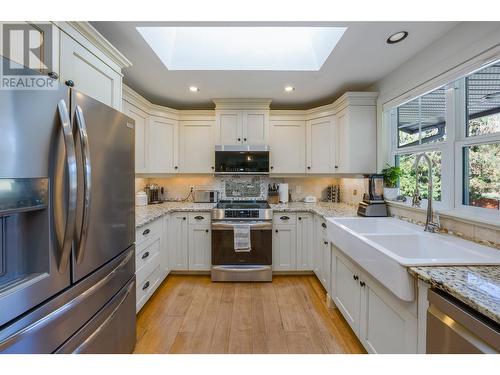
356	132
242	121
320	145
255	127
229	127
196	146
141	119
92	71
162	143
288	148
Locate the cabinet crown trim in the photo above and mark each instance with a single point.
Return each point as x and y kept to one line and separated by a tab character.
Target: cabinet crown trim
97	39
242	103
139	101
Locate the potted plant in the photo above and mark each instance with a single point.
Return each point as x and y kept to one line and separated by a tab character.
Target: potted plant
391	177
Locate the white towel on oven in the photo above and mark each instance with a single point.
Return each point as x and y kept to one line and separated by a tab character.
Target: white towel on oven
242	238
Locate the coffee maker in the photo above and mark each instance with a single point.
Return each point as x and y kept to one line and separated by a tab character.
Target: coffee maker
373	203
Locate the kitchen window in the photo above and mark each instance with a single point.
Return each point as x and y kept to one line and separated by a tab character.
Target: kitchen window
458	126
421	126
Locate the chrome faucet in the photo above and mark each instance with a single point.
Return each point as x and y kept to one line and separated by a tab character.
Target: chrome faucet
430	225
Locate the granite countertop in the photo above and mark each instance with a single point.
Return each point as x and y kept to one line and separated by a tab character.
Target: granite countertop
323	209
476	286
146	214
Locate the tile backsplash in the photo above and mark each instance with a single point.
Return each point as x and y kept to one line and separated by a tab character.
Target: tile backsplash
177	187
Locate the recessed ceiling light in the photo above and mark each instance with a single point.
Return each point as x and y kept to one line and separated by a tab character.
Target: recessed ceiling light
290	48
194	89
289	88
397	37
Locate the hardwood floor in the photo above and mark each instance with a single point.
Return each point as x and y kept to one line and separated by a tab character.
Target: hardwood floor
190	314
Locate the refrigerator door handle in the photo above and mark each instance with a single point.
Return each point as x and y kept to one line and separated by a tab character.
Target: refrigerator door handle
69	225
87	183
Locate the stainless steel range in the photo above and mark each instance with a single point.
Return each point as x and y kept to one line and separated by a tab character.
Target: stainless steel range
231	262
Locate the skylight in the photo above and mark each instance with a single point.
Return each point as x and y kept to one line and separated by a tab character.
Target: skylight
242	48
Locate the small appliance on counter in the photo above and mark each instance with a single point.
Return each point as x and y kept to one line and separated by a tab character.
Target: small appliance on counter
283	191
273	195
206	196
155	193
373	203
310	199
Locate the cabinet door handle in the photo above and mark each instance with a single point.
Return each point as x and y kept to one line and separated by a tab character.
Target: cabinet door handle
176	167
355	277
325	242
146	232
336	167
145	286
323	225
198	217
272	167
276	231
206	230
53	75
145	255
183	218
239	139
308	167
300	218
212	167
70	83
284	218
244	139
362	283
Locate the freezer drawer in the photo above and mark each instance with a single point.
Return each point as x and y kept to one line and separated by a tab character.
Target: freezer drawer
46	328
111	331
453	328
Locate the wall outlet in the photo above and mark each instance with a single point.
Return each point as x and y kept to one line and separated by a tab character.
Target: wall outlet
355	192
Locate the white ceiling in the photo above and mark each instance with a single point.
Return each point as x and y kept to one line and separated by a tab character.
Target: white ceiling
360	59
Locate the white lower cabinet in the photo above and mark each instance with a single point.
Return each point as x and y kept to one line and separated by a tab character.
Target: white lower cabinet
150	264
305	240
178	249
199	245
190	241
383	323
284	247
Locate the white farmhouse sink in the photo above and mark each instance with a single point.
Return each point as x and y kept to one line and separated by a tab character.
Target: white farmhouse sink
385	247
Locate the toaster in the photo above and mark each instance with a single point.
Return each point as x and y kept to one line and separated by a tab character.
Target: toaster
206	196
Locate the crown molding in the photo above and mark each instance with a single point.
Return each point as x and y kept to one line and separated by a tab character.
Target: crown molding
242	103
97	39
137	100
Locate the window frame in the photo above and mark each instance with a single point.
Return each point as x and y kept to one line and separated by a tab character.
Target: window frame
451	148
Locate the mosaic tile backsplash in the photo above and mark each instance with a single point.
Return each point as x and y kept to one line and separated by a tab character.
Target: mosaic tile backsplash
241	188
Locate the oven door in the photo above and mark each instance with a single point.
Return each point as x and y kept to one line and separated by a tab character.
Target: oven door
223	252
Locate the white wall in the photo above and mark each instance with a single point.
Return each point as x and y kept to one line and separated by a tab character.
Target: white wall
467	44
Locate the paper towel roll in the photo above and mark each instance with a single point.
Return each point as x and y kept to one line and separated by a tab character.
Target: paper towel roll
283	190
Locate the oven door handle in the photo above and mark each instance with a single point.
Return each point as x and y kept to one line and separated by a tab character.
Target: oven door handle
225	225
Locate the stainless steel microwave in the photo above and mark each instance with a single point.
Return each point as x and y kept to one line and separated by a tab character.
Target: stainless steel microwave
242	159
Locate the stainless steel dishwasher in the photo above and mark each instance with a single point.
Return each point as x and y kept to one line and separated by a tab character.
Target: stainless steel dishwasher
453	328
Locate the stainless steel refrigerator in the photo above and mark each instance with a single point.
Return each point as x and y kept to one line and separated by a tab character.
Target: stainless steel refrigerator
67	256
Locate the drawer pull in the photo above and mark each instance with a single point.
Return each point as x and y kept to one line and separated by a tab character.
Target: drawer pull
300	218
362	283
145	286
183	218
146	232
325	242
145	255
199	217
323	225
355	277
284	218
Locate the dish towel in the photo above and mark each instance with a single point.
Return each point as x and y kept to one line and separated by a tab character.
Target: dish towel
242	238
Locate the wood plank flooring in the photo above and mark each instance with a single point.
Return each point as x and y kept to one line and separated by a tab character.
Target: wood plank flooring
190	314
